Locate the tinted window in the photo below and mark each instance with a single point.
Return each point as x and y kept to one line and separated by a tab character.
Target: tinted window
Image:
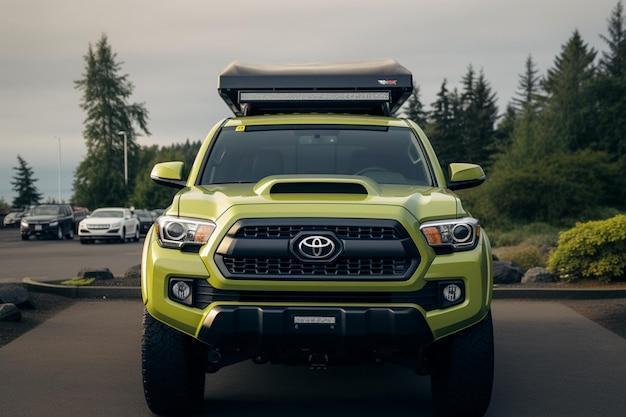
107	213
386	155
45	211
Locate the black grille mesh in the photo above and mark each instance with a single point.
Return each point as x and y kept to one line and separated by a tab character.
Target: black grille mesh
357	267
342	232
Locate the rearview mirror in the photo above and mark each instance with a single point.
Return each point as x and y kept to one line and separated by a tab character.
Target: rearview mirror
465	176
169	174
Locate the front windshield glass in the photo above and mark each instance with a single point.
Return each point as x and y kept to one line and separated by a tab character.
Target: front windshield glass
387	155
108	213
45	211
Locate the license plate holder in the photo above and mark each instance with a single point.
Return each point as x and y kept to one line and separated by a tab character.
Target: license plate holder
315	322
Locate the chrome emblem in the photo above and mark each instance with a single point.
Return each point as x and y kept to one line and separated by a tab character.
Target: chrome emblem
316	247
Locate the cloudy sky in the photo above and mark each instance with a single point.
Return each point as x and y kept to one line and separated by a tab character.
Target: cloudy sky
174	50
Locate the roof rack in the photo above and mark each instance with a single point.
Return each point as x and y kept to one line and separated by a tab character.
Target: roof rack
375	87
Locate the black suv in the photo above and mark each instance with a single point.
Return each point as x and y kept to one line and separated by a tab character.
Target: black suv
53	220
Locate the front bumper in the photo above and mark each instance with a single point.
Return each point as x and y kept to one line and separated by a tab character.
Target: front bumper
39	230
257	329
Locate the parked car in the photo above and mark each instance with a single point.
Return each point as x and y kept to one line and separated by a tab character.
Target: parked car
156	213
48	220
80	213
317	239
113	223
146	220
12	219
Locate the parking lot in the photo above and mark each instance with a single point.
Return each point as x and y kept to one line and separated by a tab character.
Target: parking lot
60	259
85	361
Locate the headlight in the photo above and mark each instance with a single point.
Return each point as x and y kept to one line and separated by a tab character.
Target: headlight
24	223
54	224
175	232
452	235
116	225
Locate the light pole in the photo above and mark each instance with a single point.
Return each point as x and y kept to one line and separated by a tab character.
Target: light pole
123	133
59	173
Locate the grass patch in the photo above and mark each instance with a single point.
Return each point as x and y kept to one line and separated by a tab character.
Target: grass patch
79	281
533	233
527	254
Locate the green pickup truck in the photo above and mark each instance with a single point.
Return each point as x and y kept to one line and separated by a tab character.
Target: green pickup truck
314	229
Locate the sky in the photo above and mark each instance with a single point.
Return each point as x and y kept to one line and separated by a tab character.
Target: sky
174	50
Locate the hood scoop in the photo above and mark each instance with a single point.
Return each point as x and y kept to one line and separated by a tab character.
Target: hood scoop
316	184
317	188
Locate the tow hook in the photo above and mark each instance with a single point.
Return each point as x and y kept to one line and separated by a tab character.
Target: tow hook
318	361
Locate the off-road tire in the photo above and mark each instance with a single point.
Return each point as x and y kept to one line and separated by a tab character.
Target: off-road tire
173	367
462	371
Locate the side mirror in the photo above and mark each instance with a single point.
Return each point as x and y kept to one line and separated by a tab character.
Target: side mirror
465	176
169	174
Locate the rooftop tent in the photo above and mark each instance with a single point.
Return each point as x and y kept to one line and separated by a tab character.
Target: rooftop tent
374	87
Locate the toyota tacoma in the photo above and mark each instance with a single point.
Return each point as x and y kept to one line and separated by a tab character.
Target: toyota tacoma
315	229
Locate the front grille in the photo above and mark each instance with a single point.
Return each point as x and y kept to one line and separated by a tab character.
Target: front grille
346	267
97	226
371	250
342	232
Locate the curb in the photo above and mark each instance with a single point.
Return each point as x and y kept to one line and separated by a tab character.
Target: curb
74	291
559	293
498	292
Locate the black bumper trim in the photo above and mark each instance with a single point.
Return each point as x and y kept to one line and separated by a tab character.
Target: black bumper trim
428	297
256	328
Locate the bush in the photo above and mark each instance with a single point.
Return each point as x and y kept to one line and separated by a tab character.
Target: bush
594	250
535	233
557	189
526	255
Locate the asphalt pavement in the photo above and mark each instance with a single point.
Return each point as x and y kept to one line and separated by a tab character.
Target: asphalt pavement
60	259
550	361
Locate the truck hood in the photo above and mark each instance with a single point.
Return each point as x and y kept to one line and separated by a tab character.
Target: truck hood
211	201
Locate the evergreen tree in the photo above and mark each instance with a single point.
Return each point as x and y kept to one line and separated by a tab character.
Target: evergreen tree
505	128
610	87
613	61
527	96
24	185
99	179
442	131
413	109
570	114
480	113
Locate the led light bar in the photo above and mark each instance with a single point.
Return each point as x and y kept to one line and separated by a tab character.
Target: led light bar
339	96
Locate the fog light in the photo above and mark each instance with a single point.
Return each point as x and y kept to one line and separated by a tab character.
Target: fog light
452	293
181	291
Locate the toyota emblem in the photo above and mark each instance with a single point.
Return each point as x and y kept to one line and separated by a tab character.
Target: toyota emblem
316	247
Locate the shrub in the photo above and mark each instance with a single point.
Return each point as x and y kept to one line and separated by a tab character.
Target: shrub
526	255
595	250
536	233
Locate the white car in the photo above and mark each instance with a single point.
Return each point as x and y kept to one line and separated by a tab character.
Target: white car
113	223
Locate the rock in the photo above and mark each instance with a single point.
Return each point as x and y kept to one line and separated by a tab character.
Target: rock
14	294
9	312
506	273
134	272
97	273
538	274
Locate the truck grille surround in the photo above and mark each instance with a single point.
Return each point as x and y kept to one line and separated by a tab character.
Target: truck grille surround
293	249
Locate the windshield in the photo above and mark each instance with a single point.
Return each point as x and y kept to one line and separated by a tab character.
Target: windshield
108	213
45	211
388	155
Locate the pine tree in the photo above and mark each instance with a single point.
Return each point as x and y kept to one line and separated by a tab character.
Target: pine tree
99	179
24	185
413	109
441	126
610	87
527	97
480	113
613	61
571	115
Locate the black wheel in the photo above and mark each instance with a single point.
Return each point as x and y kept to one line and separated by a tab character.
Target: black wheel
173	366
462	371
70	234
25	237
123	238
136	237
59	233
85	241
